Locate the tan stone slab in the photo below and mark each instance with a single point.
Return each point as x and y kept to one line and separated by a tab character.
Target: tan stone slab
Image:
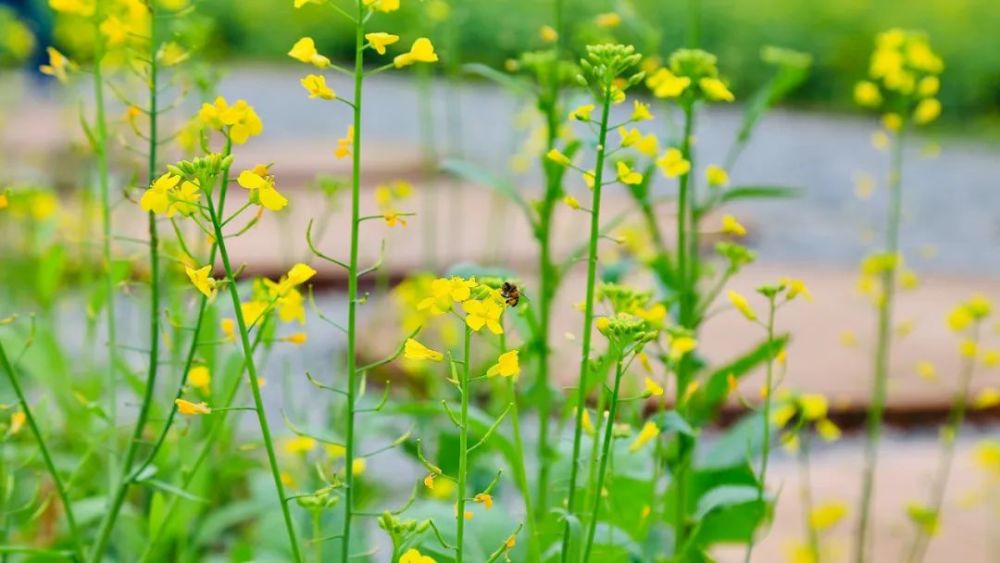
968	520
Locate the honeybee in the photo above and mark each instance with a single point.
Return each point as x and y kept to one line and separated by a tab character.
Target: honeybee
511	294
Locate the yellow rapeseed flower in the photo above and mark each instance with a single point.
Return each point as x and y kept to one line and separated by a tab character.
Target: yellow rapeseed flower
262	190
673	163
730	226
926	111
548	34
413	350
648	433
653	389
59	65
17	421
300	444
202	280
680	346
315	84
640	111
413	555
379	41
867	94
383	5
422	51
582	113
741	305
480	313
715	90
608	20
627	175
986	399
827	515
305	51
83	8
555	155
188	408
507	365
485	499
716	175
200	378
665	84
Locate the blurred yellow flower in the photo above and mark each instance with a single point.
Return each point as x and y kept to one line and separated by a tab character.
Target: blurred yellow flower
202	280
548	34
383	5
608	20
59	65
673	163
741	304
715	90
200	378
716	175
680	346
666	84
730	226
17	421
867	94
986	399
414	350
627	175
555	155
507	365
188	408
582	113
422	51
300	444
653	389
827	515
485	499
413	555
640	111
648	433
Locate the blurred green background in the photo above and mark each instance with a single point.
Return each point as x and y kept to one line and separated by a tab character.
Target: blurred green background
838	33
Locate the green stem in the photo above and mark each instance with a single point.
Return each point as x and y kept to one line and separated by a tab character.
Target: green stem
317	533
251	368
546	268
883	347
765	426
805	496
603	466
101	140
125	475
463	447
520	474
956	417
44	450
588	314
686	296
206	448
352	287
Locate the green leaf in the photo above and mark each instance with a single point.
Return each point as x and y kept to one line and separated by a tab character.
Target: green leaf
672	421
759	192
724	497
740	443
173	489
704	404
480	176
50	273
157	512
502	79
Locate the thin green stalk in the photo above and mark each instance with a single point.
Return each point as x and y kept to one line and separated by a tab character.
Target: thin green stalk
317	533
883	347
687	305
44	451
195	336
588	314
463	448
265	429
546	269
956	417
603	466
694	24
352	287
805	496
520	474
206	448
765	425
124	476
101	149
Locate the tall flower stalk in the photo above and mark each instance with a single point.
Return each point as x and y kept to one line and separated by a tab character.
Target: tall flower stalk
967	319
904	82
125	476
603	65
43	449
421	51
